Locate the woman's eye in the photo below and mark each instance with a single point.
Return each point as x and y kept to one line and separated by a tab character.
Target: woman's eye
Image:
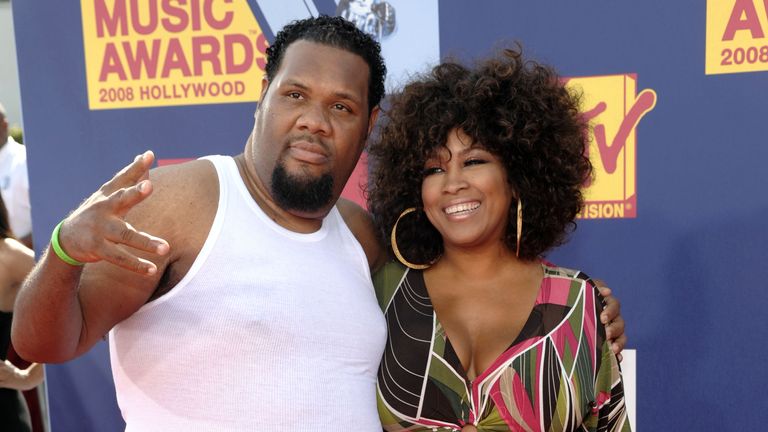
294	95
432	170
470	162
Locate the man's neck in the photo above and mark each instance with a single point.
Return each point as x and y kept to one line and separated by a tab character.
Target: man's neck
259	192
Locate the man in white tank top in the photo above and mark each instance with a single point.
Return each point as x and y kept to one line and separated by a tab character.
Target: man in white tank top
236	291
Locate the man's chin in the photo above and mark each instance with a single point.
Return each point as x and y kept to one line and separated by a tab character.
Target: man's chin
302	193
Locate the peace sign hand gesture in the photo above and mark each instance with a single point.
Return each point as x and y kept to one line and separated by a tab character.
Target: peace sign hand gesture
97	230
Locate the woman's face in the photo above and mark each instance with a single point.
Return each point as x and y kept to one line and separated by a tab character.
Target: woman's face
465	193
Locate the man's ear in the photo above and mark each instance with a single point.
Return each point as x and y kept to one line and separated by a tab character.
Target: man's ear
372	120
264	87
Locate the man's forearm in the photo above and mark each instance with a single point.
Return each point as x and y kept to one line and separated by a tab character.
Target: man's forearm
48	319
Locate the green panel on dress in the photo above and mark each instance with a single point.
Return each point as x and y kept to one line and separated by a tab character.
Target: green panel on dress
583	376
439	341
575	293
492	421
525	366
453	386
386	281
608	372
386	416
563	409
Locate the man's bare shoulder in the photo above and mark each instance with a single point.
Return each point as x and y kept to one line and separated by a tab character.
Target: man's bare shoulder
187	177
357	218
175	185
183	202
360	223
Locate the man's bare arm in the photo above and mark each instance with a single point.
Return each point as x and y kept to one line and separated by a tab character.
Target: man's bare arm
359	222
62	310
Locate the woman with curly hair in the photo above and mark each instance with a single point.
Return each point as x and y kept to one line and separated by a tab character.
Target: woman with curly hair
477	173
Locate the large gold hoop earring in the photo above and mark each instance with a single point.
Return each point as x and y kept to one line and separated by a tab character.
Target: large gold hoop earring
519	225
393	240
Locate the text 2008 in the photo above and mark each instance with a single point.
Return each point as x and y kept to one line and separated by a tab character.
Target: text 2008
741	55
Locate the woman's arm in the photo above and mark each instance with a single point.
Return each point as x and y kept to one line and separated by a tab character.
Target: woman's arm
20	379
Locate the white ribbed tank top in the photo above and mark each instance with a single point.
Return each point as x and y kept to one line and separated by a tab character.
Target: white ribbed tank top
270	330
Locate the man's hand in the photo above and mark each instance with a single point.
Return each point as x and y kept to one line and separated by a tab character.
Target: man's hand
97	230
611	318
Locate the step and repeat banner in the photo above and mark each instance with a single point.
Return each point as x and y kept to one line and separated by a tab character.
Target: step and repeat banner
675	92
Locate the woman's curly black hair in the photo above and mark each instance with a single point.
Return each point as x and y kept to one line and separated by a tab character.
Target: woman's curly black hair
517	109
336	32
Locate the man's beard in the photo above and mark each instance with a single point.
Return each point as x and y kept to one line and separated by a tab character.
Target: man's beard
299	194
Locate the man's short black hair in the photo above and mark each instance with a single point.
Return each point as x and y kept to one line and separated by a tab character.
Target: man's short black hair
338	33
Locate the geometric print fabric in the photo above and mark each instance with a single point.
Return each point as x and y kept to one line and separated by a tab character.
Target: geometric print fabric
558	375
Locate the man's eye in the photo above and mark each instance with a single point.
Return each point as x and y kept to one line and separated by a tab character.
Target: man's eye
341	107
294	95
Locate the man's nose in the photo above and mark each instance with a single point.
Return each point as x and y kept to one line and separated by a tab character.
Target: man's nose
314	119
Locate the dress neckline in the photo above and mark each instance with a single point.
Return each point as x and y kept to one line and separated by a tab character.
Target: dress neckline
528	331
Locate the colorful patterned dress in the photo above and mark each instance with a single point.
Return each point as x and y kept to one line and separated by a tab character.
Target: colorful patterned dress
558	375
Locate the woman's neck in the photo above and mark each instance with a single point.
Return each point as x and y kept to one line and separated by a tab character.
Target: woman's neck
480	263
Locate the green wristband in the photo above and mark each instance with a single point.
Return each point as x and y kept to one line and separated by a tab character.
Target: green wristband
59	250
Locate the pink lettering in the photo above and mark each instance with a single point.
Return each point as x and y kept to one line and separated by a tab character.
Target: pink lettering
117	20
138	27
750	22
212	21
195	14
261	47
199	89
111	64
175	12
229	53
143	16
175	59
211	55
142	59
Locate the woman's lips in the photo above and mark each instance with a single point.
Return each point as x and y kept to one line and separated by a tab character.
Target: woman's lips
462	209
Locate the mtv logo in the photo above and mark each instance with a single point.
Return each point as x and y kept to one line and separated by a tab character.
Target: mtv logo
613	108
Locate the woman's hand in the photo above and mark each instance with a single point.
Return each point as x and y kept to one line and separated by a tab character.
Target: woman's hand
611	318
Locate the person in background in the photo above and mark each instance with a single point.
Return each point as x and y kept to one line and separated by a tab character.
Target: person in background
14	183
16	260
477	173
